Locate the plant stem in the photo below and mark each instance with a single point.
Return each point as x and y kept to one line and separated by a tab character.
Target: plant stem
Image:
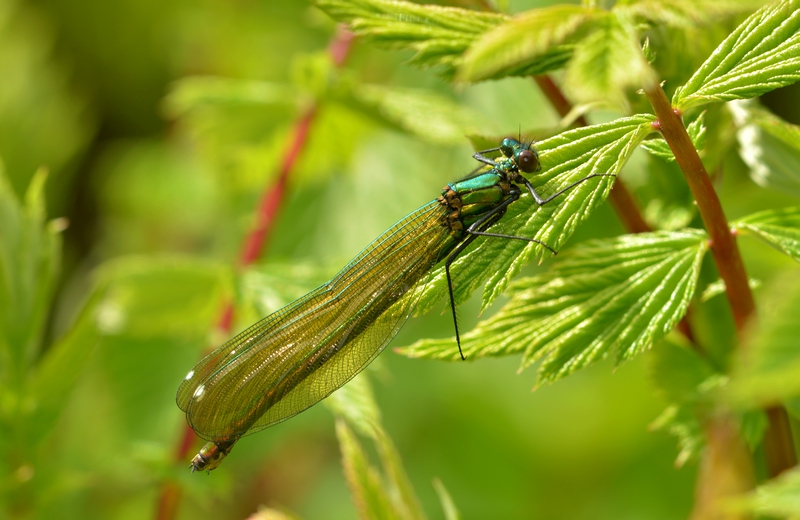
266	213
777	442
723	245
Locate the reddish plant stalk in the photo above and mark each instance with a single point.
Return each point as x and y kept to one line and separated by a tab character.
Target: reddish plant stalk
723	245
266	213
777	441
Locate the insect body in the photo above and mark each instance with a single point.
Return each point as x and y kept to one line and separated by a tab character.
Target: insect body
299	355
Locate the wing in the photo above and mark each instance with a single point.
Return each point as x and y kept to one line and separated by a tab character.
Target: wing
297	356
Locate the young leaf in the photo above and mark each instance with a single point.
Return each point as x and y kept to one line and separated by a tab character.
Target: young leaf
438	35
372	500
779	227
565	158
606	62
30	256
762	54
769	146
620	294
526	43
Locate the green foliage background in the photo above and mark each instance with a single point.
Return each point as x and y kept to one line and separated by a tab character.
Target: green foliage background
136	139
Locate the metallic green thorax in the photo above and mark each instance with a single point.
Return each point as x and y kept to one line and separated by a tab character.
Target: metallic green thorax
472	197
299	355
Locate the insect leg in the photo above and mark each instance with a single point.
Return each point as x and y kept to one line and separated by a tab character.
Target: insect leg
540	201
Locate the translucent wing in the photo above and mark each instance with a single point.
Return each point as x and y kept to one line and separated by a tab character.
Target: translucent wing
299	355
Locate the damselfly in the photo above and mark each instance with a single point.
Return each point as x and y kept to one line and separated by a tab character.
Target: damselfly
302	353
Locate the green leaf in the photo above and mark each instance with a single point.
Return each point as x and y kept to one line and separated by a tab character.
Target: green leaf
438	35
356	404
60	369
448	505
172	297
778	498
372	500
428	116
621	294
266	287
762	54
769	146
30	256
682	423
192	92
534	42
779	227
606	62
677	372
406	502
768	371
718	287
643	286
565	158
697	133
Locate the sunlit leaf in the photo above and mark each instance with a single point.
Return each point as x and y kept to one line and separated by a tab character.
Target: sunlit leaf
606	62
762	54
565	158
438	35
522	45
617	295
779	227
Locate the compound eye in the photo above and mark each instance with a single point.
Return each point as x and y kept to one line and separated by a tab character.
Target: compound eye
527	161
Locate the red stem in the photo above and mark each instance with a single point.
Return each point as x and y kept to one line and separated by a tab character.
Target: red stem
723	245
267	211
778	444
